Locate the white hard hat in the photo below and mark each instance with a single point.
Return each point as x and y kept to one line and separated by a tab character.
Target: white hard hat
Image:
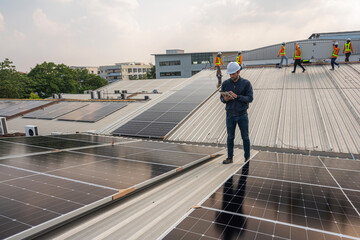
349	39
336	43
283	43
219	53
232	67
298	45
239	51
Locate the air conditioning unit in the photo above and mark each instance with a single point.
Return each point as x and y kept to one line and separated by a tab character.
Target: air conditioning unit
31	130
3	126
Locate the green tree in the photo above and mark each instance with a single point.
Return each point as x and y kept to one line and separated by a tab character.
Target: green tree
50	78
34	96
12	83
151	74
88	81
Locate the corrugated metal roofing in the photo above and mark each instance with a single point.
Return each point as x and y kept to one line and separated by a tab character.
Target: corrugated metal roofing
316	110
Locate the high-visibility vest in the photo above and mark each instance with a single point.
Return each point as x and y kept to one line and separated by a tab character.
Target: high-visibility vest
239	59
282	51
297	53
218	61
347	47
335	52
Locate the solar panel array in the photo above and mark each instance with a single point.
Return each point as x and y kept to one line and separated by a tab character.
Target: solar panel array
46	180
160	119
280	196
93	112
9	108
56	110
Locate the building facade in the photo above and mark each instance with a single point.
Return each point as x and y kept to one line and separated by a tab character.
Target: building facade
178	64
124	71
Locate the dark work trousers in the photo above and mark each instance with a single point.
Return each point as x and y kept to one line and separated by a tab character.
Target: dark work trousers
298	62
347	56
333	62
243	122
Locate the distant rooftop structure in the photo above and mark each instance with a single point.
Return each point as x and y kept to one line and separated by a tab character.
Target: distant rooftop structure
124	71
336	35
174	51
91	70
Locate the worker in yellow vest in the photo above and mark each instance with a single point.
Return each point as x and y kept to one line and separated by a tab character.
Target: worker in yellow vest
283	55
239	59
297	58
334	56
218	63
348	49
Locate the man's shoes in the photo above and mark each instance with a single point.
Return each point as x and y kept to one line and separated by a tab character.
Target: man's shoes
247	159
331	69
293	72
304	70
339	66
227	161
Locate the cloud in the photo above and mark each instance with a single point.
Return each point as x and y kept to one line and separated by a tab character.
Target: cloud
45	25
2	25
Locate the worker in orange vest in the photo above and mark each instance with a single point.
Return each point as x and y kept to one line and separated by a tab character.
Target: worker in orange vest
283	55
218	60
297	58
239	59
334	56
348	49
218	63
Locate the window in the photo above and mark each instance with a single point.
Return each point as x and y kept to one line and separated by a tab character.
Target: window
170	63
130	70
194	72
201	58
170	74
135	70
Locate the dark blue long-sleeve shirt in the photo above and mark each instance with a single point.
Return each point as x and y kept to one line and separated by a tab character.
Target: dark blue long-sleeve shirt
243	89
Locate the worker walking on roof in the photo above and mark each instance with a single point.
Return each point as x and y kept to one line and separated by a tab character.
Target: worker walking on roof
348	49
334	56
218	64
283	55
239	59
236	93
297	58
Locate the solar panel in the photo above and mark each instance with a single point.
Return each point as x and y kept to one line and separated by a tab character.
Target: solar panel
41	189
7	149
9	108
90	138
93	112
49	142
279	196
56	110
165	115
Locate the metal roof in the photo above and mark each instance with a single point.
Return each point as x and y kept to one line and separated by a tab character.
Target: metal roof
318	110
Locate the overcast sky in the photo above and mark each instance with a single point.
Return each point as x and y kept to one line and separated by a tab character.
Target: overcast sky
104	32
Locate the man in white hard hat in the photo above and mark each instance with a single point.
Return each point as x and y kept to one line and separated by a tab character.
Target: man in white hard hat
348	49
334	55
218	62
236	93
239	59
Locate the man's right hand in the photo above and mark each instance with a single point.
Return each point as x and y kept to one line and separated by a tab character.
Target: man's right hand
227	98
